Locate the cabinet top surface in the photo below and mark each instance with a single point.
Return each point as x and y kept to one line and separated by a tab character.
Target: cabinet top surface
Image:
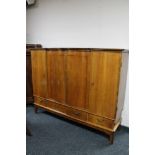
85	49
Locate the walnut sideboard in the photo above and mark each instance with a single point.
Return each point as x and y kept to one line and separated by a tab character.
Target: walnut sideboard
84	85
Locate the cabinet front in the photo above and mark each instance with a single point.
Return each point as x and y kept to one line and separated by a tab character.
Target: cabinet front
56	76
76	78
104	81
39	78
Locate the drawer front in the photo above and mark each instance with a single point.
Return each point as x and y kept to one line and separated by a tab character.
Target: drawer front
56	106
77	114
40	101
100	121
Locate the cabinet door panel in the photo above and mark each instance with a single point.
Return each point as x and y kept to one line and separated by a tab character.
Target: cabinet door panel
56	77
104	81
76	78
39	78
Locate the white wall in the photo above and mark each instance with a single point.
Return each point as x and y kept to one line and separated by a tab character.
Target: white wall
80	23
125	113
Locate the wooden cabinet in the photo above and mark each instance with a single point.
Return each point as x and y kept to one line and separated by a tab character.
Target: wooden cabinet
104	83
76	78
56	75
39	73
83	85
29	89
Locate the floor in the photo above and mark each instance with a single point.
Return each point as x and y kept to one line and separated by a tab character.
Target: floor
53	135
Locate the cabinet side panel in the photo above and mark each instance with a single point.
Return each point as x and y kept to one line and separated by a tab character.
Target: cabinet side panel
39	73
29	90
122	86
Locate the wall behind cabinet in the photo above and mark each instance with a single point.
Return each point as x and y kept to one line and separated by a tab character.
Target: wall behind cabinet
80	23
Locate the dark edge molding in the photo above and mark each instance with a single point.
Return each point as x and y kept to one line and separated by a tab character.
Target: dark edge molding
126	51
86	49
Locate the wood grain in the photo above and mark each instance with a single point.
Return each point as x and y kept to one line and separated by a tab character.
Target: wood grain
56	75
29	88
83	85
39	73
100	121
76	77
104	80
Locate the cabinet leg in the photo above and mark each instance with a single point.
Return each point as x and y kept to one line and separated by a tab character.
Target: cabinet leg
28	132
35	109
111	138
119	128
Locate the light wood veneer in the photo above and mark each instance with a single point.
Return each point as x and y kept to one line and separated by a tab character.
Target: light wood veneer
83	85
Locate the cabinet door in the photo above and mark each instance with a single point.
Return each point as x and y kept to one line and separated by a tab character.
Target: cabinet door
56	78
104	81
39	78
76	78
